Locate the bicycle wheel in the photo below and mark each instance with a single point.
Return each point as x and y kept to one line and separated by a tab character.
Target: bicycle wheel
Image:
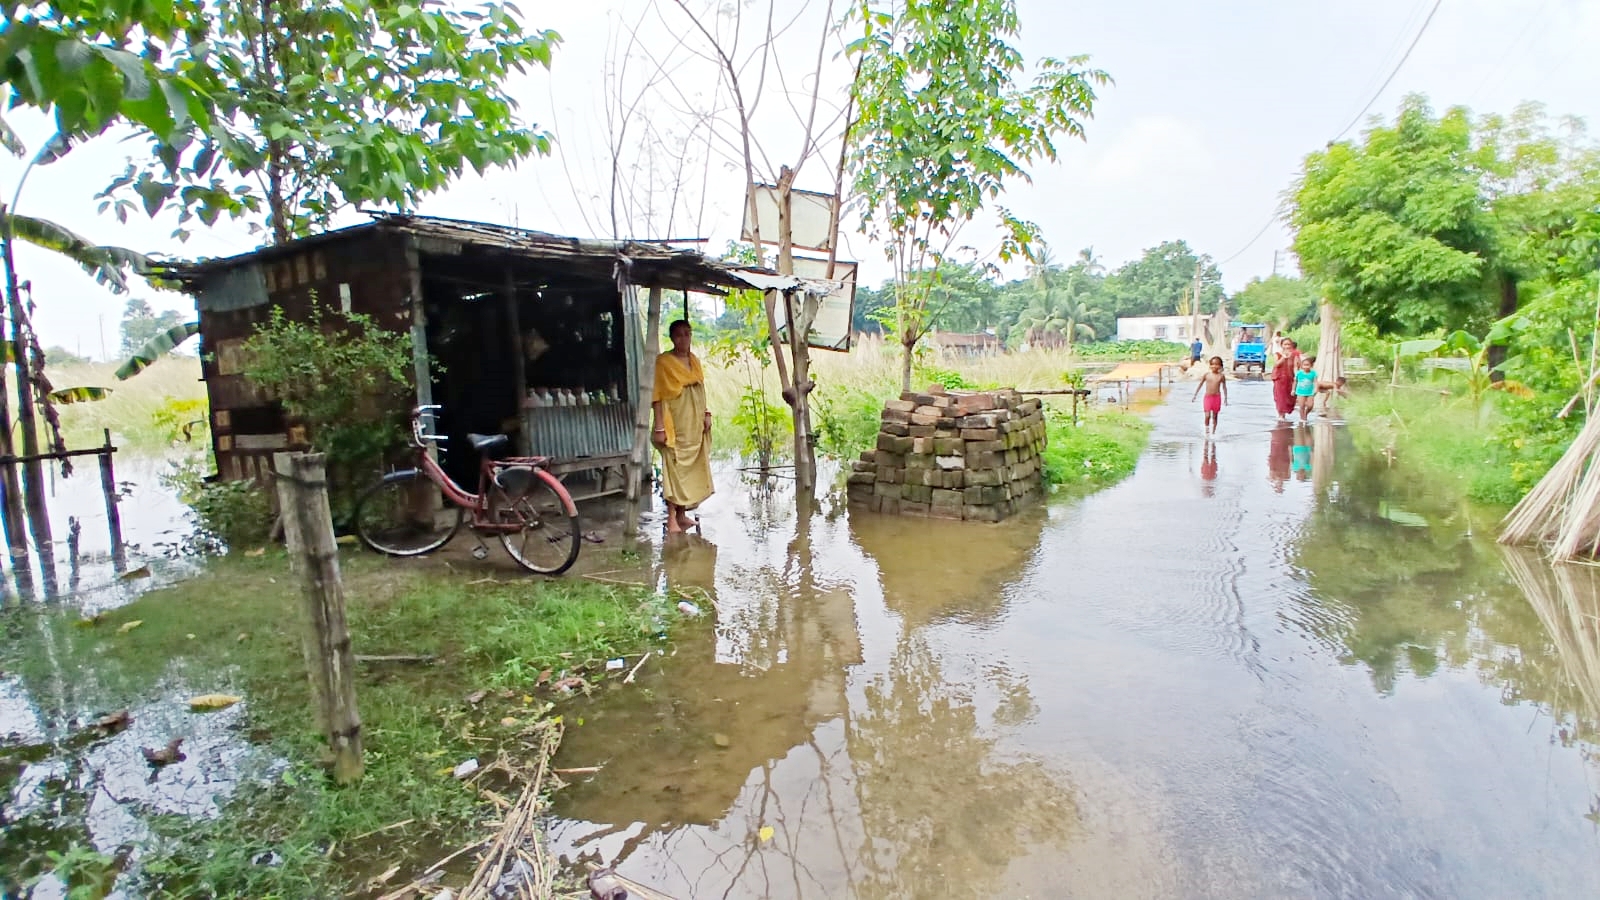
406	514
548	538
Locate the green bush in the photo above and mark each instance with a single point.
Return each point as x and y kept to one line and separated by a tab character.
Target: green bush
348	379
927	375
1101	450
1134	351
847	419
231	514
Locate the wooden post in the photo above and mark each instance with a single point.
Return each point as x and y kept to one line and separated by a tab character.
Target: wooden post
32	468
308	529
519	362
641	417
108	485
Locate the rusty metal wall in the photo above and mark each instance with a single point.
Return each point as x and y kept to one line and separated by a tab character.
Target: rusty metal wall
574	432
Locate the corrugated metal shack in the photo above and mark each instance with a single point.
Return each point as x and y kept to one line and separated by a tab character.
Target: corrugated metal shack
500	311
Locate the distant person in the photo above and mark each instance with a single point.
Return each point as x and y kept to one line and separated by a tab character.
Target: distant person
1305	386
1283	378
1215	384
1195	350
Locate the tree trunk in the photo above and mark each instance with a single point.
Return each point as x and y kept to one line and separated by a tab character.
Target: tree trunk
1508	307
33	469
799	351
905	365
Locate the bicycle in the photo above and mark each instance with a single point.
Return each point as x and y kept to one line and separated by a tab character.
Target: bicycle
414	511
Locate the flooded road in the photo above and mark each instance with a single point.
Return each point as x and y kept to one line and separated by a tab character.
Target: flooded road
1264	666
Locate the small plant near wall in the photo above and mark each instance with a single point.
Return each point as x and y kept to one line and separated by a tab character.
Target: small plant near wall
347	379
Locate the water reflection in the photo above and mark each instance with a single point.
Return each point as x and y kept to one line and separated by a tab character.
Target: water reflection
1278	454
814	742
1208	469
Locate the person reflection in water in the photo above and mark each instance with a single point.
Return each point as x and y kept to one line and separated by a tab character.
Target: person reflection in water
1300	463
1208	470
1278	455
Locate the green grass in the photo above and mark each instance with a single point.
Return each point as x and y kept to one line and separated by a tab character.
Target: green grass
1101	450
234	629
144	413
1446	435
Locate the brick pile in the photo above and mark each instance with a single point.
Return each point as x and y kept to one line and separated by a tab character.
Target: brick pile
966	455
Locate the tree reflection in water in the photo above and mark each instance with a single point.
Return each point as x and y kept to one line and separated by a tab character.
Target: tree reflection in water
842	772
945	811
1400	578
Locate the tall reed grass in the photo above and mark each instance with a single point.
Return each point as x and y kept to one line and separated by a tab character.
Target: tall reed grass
143	412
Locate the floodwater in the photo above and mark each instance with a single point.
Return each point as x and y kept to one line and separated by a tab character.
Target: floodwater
1264	666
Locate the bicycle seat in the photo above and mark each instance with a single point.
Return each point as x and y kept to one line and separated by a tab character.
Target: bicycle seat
482	442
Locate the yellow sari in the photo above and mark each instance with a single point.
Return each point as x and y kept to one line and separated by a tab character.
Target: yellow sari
686	460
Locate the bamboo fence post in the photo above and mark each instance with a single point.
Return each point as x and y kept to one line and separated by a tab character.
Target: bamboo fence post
108	486
308	528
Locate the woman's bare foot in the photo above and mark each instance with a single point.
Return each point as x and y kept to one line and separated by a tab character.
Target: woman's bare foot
685	522
674	520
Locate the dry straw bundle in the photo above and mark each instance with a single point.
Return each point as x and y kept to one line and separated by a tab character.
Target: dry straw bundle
1562	512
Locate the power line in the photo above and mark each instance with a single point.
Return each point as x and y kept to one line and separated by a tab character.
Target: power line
1376	94
1395	71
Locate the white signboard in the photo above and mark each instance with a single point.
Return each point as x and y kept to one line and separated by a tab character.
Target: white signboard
810	213
830	330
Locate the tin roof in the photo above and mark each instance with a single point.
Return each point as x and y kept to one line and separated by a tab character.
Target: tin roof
643	263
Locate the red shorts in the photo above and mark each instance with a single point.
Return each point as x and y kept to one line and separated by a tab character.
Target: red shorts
1213	403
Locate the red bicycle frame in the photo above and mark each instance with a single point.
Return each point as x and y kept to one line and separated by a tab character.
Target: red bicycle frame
488	469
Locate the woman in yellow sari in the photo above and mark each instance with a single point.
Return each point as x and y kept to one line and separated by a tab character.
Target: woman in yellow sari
682	429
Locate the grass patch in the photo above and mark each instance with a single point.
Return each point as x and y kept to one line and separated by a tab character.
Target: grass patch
1447	436
146	413
235	629
1101	450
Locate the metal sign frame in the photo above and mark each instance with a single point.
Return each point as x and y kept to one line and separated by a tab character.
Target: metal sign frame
810	213
832	329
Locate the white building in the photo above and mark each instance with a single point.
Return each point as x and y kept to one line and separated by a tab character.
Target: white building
1154	328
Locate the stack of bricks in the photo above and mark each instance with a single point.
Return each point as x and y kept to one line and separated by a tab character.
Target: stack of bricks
966	455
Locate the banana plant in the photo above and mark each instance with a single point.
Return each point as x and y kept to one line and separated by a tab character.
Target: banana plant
1478	376
155	348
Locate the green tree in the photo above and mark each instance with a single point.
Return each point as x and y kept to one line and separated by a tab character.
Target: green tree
1278	301
942	126
73	60
1160	280
1395	228
325	103
964	297
1060	302
140	324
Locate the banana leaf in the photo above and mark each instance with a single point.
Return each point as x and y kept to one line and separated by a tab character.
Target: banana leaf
80	394
10	141
106	264
155	348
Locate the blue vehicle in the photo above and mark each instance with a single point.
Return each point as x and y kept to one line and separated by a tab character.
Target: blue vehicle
1249	346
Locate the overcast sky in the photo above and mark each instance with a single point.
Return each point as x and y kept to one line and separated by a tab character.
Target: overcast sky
1213	108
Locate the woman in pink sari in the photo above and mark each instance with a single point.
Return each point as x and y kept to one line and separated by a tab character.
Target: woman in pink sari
1283	378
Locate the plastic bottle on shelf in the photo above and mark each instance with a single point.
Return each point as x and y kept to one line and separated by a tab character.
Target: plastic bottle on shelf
616	396
545	399
533	399
583	397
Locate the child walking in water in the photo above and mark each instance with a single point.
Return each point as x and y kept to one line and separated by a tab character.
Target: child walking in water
1215	384
1305	386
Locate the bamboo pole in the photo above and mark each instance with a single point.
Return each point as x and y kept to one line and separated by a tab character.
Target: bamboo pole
308	528
108	486
642	411
33	491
